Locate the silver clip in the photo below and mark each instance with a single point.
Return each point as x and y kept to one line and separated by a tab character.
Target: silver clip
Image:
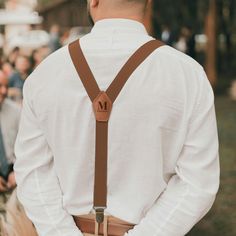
99	211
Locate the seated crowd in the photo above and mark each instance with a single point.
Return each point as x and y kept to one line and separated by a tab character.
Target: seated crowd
14	70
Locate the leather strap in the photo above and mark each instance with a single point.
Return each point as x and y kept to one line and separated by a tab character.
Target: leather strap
134	61
83	70
115	87
102	106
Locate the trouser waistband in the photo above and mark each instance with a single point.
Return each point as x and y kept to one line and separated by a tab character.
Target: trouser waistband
111	225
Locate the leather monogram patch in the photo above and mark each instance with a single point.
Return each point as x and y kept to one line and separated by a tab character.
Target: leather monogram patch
102	107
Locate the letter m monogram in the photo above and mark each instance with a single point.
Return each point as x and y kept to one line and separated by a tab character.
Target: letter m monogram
102	106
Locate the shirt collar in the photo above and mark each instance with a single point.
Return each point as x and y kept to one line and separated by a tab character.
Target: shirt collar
120	24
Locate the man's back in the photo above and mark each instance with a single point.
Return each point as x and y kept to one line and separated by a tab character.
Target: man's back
153	137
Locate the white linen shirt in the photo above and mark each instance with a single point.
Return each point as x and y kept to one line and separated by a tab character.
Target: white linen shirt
163	165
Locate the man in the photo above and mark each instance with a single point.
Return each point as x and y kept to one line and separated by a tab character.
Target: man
54	42
163	165
9	120
17	79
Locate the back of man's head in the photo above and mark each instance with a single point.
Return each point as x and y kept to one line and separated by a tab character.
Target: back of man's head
117	4
131	9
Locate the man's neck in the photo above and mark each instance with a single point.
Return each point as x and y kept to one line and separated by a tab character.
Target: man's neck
123	16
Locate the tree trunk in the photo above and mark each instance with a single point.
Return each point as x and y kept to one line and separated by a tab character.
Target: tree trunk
211	25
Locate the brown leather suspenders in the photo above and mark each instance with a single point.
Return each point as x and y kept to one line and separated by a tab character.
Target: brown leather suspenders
102	105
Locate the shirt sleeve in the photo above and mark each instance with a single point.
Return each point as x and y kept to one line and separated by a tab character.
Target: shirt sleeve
191	191
38	188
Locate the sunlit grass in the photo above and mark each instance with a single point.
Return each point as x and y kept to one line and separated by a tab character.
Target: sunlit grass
221	220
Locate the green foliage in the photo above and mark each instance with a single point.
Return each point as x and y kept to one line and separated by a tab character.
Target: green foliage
222	217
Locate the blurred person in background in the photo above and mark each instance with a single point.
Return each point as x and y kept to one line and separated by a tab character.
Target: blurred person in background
13	55
17	79
163	144
1	58
166	35
65	36
9	121
54	42
36	58
181	43
7	69
15	222
191	42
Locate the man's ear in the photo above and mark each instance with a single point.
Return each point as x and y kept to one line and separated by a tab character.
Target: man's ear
148	4
94	3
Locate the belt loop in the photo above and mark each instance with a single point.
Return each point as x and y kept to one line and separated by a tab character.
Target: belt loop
105	225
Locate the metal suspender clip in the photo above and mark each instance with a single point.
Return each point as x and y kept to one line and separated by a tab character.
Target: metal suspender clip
99	214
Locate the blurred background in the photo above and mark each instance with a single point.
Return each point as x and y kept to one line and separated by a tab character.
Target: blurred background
204	29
